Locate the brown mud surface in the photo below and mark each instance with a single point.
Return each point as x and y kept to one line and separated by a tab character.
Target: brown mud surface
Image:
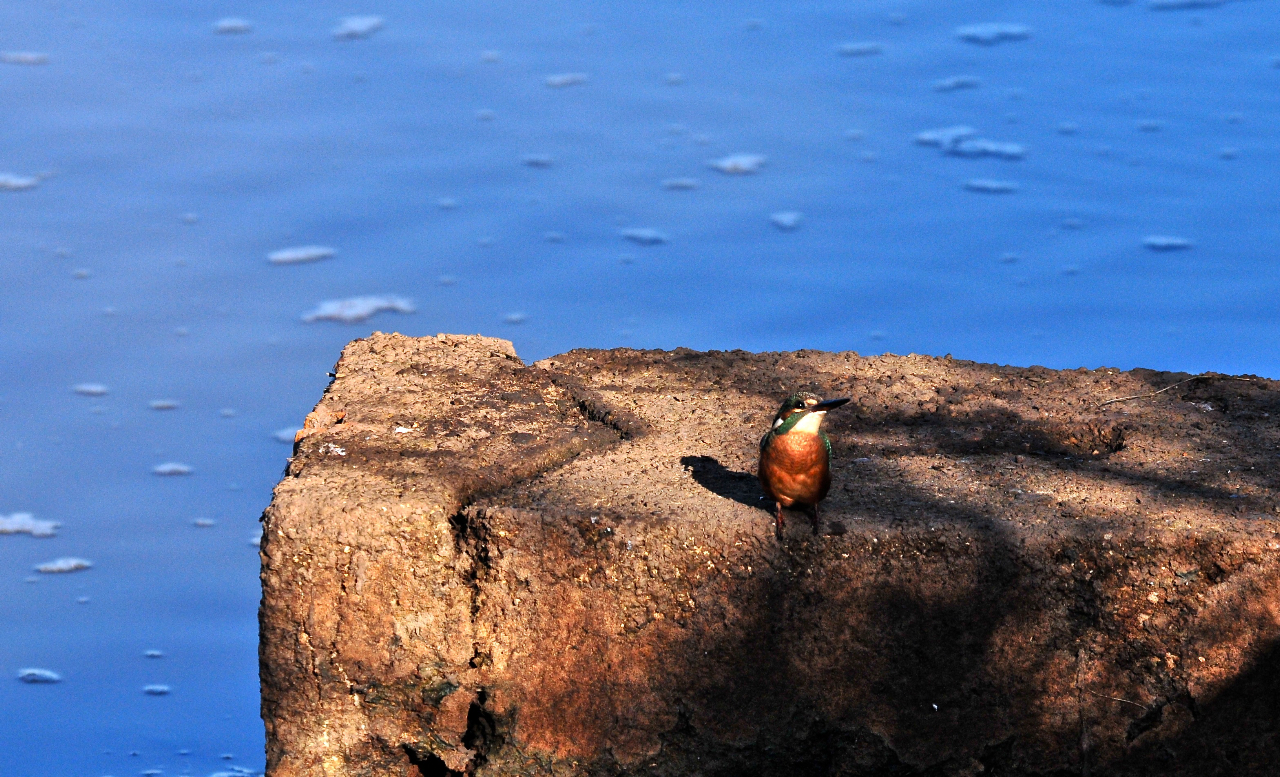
476	566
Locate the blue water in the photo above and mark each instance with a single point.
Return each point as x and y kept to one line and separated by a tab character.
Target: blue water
172	159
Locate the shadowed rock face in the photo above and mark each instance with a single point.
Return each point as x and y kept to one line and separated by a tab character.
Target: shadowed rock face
476	566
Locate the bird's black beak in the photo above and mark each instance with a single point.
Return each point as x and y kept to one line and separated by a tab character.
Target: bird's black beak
830	404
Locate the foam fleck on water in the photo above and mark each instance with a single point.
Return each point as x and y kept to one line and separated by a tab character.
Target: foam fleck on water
356	309
164	404
561	80
554	237
674	79
357	27
945	137
485	114
171	469
644	236
38	676
537	160
446	203
991	33
1166	243
787	220
739	164
227	412
681	184
286	434
153	653
300	254
1068	128
1179	5
490	55
990	186
156	690
204	523
90	389
955	83
10	182
63	565
863	49
447	280
981	147
232	25
515	318
256	539
1228	152
1010	258
26	523
24	58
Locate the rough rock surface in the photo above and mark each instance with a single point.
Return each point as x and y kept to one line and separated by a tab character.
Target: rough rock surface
476	566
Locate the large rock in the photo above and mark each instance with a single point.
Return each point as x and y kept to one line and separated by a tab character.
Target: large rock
477	566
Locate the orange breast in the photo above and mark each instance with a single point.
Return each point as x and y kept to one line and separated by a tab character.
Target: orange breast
795	468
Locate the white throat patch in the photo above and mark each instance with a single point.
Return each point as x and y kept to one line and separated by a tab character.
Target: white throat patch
810	423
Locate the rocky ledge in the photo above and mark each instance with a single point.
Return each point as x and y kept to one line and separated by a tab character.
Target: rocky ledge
474	566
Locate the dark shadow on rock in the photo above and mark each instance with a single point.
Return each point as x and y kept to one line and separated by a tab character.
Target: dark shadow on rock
716	478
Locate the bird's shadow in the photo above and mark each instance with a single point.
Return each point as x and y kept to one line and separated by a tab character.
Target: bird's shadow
741	487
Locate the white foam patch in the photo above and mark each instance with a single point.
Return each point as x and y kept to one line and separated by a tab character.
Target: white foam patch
154	653
26	523
35	676
232	25
356	309
286	434
787	220
10	182
537	160
515	318
357	27
300	254
681	184
739	164
63	565
644	236
561	80
862	49
990	186
90	389
171	468
1166	243
24	58
991	33
956	83
156	690
164	404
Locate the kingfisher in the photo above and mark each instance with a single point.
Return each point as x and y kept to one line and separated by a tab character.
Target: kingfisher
795	456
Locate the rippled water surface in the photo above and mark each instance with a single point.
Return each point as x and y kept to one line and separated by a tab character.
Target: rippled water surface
201	203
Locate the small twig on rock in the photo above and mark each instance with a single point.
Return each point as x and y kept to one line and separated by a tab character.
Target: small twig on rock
1115	698
1166	388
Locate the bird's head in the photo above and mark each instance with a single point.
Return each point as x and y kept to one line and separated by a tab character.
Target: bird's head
803	409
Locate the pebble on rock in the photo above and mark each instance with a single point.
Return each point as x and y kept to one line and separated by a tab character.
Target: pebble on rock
356	309
26	523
